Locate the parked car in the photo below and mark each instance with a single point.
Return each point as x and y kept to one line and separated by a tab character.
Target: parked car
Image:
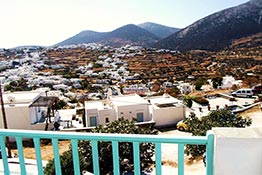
243	93
181	126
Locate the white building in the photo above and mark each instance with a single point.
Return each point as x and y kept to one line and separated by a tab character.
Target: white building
131	106
128	106
98	113
166	110
229	81
18	113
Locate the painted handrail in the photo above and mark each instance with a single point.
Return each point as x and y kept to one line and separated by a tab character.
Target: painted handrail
136	139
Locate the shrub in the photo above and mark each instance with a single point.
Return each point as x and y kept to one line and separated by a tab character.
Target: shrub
201	100
105	151
218	118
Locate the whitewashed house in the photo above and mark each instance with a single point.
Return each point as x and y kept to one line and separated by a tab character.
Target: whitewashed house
185	88
166	110
98	113
131	106
127	106
21	113
229	81
163	110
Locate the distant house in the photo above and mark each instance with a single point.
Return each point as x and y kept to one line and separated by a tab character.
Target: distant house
185	88
229	81
61	87
139	89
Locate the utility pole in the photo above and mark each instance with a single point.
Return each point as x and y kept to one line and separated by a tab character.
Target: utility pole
4	120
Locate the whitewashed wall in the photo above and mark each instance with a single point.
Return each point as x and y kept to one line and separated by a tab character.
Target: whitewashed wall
238	151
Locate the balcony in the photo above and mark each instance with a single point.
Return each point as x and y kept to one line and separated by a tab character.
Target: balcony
74	137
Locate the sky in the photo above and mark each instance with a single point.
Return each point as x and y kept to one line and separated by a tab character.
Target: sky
47	22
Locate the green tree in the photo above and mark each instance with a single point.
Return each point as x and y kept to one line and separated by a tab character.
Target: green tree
59	105
217	118
199	83
217	81
122	126
188	101
19	85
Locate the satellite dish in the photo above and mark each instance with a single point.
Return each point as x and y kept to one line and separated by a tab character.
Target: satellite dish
11	99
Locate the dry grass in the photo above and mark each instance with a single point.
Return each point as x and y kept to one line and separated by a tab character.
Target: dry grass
46	150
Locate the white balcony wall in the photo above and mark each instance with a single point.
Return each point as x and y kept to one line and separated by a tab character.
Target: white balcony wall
238	151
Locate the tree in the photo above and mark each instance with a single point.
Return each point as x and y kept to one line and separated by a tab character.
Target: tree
187	100
19	85
60	104
199	83
122	126
174	91
217	118
217	81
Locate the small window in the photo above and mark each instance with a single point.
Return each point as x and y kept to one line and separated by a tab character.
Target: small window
107	120
121	112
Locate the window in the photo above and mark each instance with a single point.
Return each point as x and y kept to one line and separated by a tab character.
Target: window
140	117
107	120
93	121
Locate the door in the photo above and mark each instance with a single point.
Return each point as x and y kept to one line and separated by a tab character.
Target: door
140	117
93	121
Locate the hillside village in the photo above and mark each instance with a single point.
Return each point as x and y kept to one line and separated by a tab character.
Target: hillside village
93	76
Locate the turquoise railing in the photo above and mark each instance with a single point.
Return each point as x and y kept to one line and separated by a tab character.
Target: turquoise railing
95	138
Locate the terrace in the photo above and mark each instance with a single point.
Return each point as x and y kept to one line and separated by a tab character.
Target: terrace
95	138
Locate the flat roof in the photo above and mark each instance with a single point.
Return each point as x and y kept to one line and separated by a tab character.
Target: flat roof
20	97
126	100
164	99
94	105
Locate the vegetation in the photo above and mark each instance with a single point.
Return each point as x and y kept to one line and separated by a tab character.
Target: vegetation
199	83
19	85
201	100
217	81
217	118
59	105
188	101
122	126
174	91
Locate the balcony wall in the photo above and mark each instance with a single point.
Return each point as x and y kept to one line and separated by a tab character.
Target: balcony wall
115	139
238	151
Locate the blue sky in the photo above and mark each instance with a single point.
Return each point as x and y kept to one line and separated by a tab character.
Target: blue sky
47	22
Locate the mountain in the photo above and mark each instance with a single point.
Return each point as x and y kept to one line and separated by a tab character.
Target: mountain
128	34
159	30
86	36
218	30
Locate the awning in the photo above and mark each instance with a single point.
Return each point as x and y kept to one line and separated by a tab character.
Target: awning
46	101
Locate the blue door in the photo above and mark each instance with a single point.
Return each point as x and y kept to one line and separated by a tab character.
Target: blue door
93	121
140	117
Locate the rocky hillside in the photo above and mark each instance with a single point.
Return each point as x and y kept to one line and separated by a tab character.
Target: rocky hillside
159	30
218	30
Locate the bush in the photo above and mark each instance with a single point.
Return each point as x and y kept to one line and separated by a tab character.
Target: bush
188	101
201	100
218	118
105	151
